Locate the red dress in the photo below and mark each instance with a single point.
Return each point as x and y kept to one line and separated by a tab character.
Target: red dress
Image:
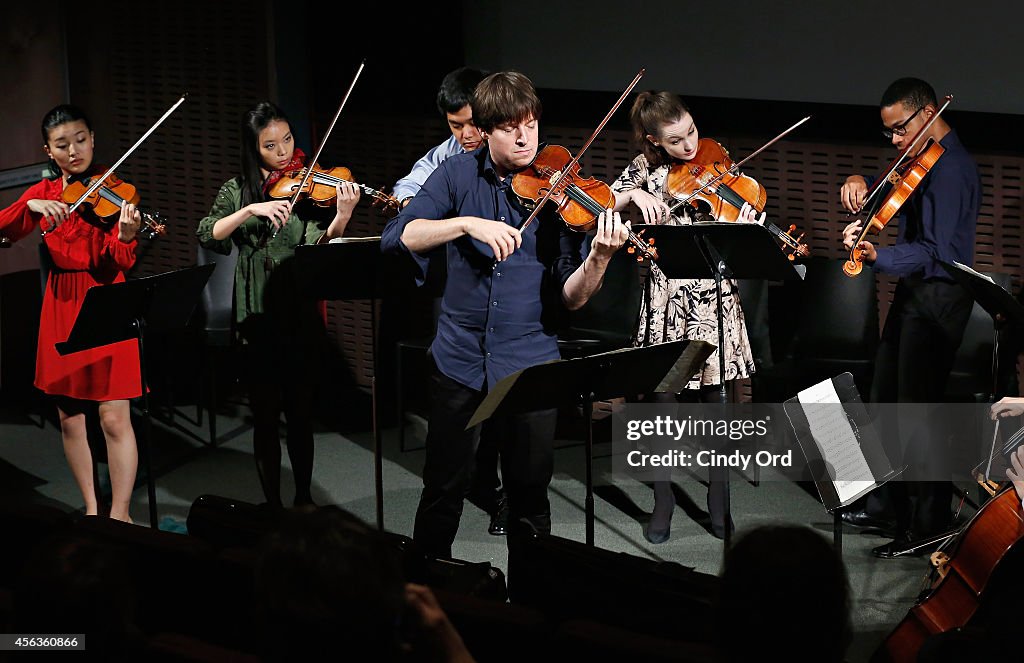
84	255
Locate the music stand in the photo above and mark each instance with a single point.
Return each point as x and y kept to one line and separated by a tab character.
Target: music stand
717	251
825	457
585	380
354	269
122	311
996	301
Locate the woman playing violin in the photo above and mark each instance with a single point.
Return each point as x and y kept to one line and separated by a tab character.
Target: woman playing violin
278	328
930	310
85	251
675	309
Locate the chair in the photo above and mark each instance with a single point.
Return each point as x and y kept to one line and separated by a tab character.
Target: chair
417	346
608	320
837	331
971	379
218	330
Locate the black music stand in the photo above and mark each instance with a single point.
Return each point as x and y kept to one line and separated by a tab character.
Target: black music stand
122	311
864	437
996	301
718	251
585	380
354	269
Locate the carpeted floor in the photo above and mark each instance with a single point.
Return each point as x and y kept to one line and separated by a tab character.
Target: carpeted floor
32	466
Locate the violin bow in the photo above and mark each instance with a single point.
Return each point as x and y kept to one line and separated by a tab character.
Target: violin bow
735	167
99	182
323	141
576	159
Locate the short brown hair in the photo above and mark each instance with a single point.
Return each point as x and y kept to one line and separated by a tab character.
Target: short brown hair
504	98
650	112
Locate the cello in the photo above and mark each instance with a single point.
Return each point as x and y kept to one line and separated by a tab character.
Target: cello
962	577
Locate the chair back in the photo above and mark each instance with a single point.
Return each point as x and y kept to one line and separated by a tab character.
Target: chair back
218	296
838	317
971	375
608	320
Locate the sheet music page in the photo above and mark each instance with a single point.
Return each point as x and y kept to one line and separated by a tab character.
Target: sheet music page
353	240
971	271
835	438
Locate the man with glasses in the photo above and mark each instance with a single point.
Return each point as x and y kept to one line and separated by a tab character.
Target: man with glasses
929	311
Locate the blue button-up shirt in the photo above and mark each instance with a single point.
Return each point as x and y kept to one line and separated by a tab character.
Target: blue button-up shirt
939	219
496	318
409	186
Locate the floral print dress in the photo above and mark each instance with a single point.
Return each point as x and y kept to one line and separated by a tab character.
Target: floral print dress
675	309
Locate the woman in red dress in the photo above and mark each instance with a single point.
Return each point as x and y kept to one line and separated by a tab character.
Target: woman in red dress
86	251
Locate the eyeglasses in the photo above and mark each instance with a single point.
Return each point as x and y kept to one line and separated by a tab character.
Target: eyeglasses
901	128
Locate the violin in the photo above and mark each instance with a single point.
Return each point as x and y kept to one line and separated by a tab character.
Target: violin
896	190
723	199
579	200
107	199
320	188
895	187
554	174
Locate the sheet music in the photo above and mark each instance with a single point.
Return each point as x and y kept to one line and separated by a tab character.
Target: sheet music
835	438
353	240
971	271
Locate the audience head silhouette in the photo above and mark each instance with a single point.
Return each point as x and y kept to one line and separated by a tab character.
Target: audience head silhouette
784	596
326	586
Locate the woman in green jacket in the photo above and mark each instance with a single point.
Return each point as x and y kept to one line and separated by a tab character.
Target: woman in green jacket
279	328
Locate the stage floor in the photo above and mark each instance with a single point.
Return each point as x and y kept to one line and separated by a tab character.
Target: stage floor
32	467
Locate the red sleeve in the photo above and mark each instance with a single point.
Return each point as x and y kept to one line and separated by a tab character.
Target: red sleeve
17	220
115	253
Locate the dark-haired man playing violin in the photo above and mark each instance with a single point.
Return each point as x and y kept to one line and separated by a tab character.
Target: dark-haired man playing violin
453	102
930	310
503	287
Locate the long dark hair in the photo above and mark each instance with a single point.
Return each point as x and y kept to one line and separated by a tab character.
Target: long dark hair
651	111
55	117
253	122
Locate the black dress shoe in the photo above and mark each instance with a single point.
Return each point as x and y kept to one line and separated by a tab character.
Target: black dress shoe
499	519
900	547
864	519
908	545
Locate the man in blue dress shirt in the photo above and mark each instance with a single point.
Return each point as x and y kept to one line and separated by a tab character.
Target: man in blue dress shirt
453	99
505	291
930	310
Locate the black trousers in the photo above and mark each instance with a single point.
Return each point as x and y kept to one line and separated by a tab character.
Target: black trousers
527	464
919	342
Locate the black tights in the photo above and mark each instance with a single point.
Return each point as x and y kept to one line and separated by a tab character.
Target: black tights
267	400
718	487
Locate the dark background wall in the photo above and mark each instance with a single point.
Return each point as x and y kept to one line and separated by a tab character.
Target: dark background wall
748	70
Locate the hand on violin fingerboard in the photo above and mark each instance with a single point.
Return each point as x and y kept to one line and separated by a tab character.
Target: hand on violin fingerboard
612	233
348	197
748	214
129	222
